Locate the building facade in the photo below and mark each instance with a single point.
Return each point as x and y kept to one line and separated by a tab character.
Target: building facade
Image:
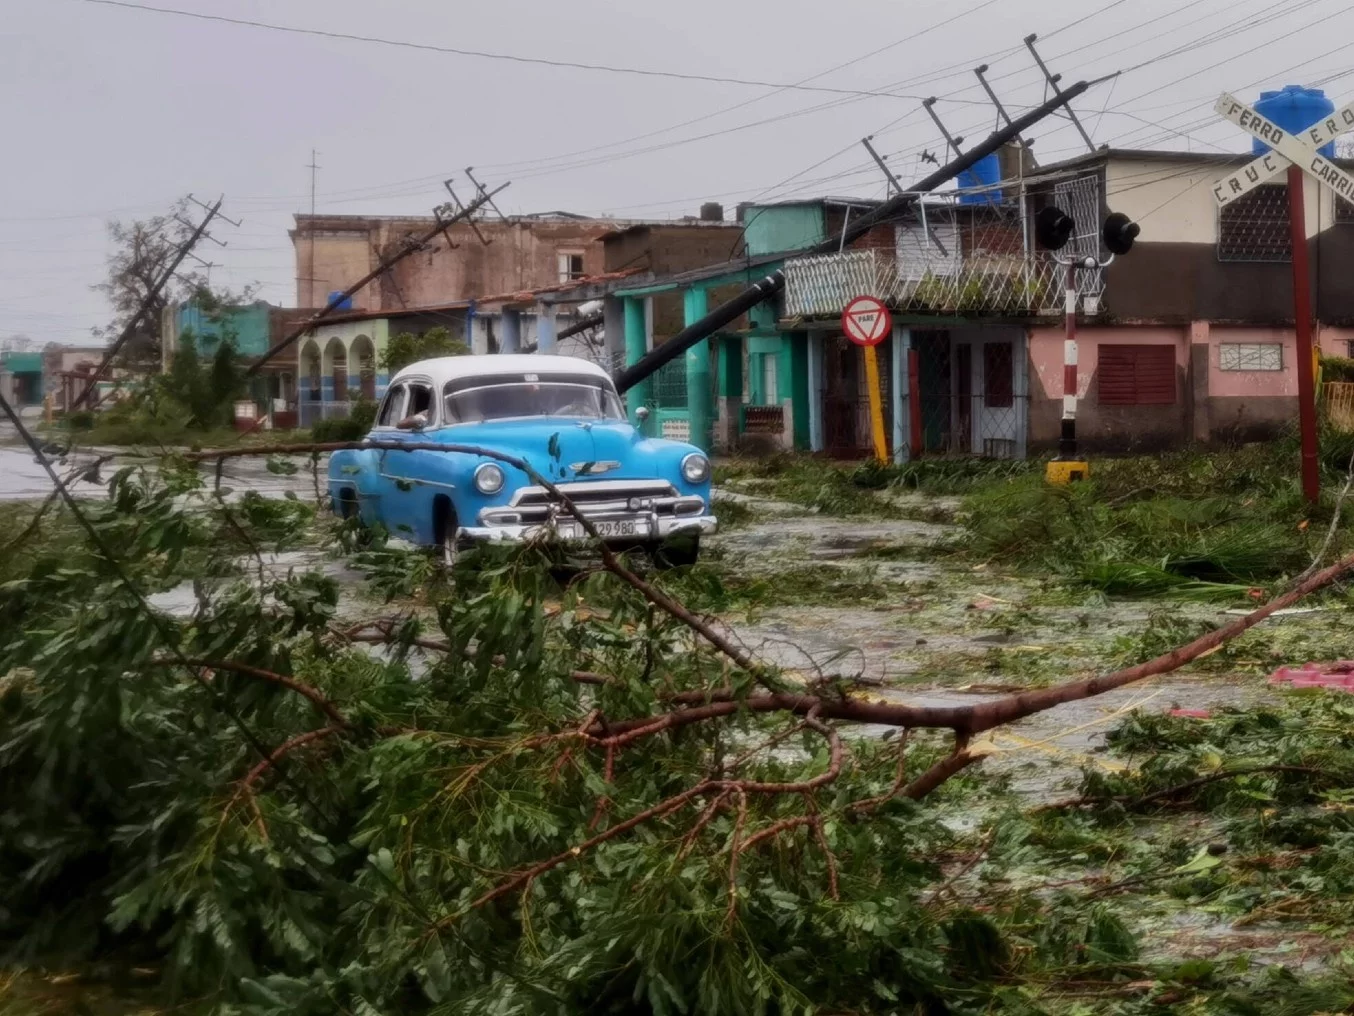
1188	338
465	262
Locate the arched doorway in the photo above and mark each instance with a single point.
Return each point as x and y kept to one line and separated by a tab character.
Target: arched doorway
363	355
336	368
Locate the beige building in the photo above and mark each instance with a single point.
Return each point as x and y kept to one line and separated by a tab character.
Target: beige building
524	253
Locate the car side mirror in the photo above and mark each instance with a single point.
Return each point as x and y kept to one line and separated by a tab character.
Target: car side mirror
416	422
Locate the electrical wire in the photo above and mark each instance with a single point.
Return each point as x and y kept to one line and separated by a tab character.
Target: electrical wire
488	55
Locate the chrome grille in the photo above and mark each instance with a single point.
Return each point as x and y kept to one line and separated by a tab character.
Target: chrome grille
595	492
597	499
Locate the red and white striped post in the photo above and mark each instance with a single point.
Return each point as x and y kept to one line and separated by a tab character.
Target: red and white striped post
1067	442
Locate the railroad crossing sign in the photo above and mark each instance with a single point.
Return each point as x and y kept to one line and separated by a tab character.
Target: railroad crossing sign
866	321
1301	150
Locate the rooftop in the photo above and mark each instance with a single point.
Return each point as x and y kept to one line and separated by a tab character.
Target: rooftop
450	368
1157	155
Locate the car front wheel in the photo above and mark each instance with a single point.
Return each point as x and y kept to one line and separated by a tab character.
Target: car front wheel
679	552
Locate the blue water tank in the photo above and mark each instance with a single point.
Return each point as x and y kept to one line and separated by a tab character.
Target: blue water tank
1294	108
345	304
984	172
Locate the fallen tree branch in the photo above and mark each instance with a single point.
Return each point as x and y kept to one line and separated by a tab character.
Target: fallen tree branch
386	637
258	673
938	774
1334	523
982	716
1134	803
899	779
658	810
254	775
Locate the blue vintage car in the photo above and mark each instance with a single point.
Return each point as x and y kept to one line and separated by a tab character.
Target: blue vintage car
560	414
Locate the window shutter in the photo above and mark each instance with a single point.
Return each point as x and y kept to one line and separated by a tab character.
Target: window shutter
1136	375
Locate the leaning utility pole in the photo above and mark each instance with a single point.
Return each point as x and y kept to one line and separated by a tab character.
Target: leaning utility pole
152	294
768	287
459	212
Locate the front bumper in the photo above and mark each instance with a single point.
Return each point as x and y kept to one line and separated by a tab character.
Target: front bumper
625	511
655	529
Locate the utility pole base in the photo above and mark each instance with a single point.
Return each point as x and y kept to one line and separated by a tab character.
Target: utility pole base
1064	471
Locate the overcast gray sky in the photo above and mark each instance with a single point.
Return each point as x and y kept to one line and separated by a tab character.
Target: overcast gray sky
115	112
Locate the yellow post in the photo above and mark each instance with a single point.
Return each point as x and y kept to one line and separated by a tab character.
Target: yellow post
881	445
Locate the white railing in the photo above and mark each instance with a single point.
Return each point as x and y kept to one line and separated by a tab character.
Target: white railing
954	259
822	286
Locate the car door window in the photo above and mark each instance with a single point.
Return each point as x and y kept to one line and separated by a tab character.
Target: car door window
392	409
420	401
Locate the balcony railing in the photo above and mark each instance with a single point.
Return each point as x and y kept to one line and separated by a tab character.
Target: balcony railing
956	259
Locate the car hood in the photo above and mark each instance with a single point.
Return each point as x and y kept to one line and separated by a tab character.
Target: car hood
558	447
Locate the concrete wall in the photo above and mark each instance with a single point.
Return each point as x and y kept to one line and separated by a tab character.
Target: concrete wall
248	327
772	228
522	255
669	249
1212	405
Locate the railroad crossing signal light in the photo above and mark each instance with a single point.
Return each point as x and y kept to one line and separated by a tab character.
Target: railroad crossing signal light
1053	227
1119	233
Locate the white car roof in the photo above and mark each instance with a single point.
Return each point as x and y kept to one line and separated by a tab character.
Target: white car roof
450	368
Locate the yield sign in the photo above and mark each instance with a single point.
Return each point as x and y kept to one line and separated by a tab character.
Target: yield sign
1288	149
866	321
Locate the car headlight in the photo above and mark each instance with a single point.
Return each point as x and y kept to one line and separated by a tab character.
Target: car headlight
695	468
489	478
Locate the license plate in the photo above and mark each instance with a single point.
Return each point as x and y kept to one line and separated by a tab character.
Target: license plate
608	529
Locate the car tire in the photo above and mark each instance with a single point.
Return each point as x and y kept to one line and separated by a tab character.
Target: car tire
446	528
680	552
348	506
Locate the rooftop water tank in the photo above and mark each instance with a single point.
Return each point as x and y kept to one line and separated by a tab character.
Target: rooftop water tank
1294	108
985	172
345	304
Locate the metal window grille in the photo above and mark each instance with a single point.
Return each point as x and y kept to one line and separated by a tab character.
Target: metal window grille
1254	228
669	385
1250	356
1080	198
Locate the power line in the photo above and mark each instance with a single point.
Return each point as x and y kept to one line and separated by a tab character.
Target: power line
487	55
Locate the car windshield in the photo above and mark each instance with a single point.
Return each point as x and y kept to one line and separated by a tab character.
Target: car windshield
472	400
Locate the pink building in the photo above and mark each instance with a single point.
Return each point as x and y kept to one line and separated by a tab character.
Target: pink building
1188	338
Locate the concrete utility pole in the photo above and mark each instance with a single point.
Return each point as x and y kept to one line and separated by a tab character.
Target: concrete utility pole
768	287
184	250
414	245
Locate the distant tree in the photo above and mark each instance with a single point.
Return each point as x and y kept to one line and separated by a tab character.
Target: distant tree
16	343
205	390
143	250
407	348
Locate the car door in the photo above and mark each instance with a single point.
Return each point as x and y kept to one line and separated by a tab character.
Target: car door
390	413
409	508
